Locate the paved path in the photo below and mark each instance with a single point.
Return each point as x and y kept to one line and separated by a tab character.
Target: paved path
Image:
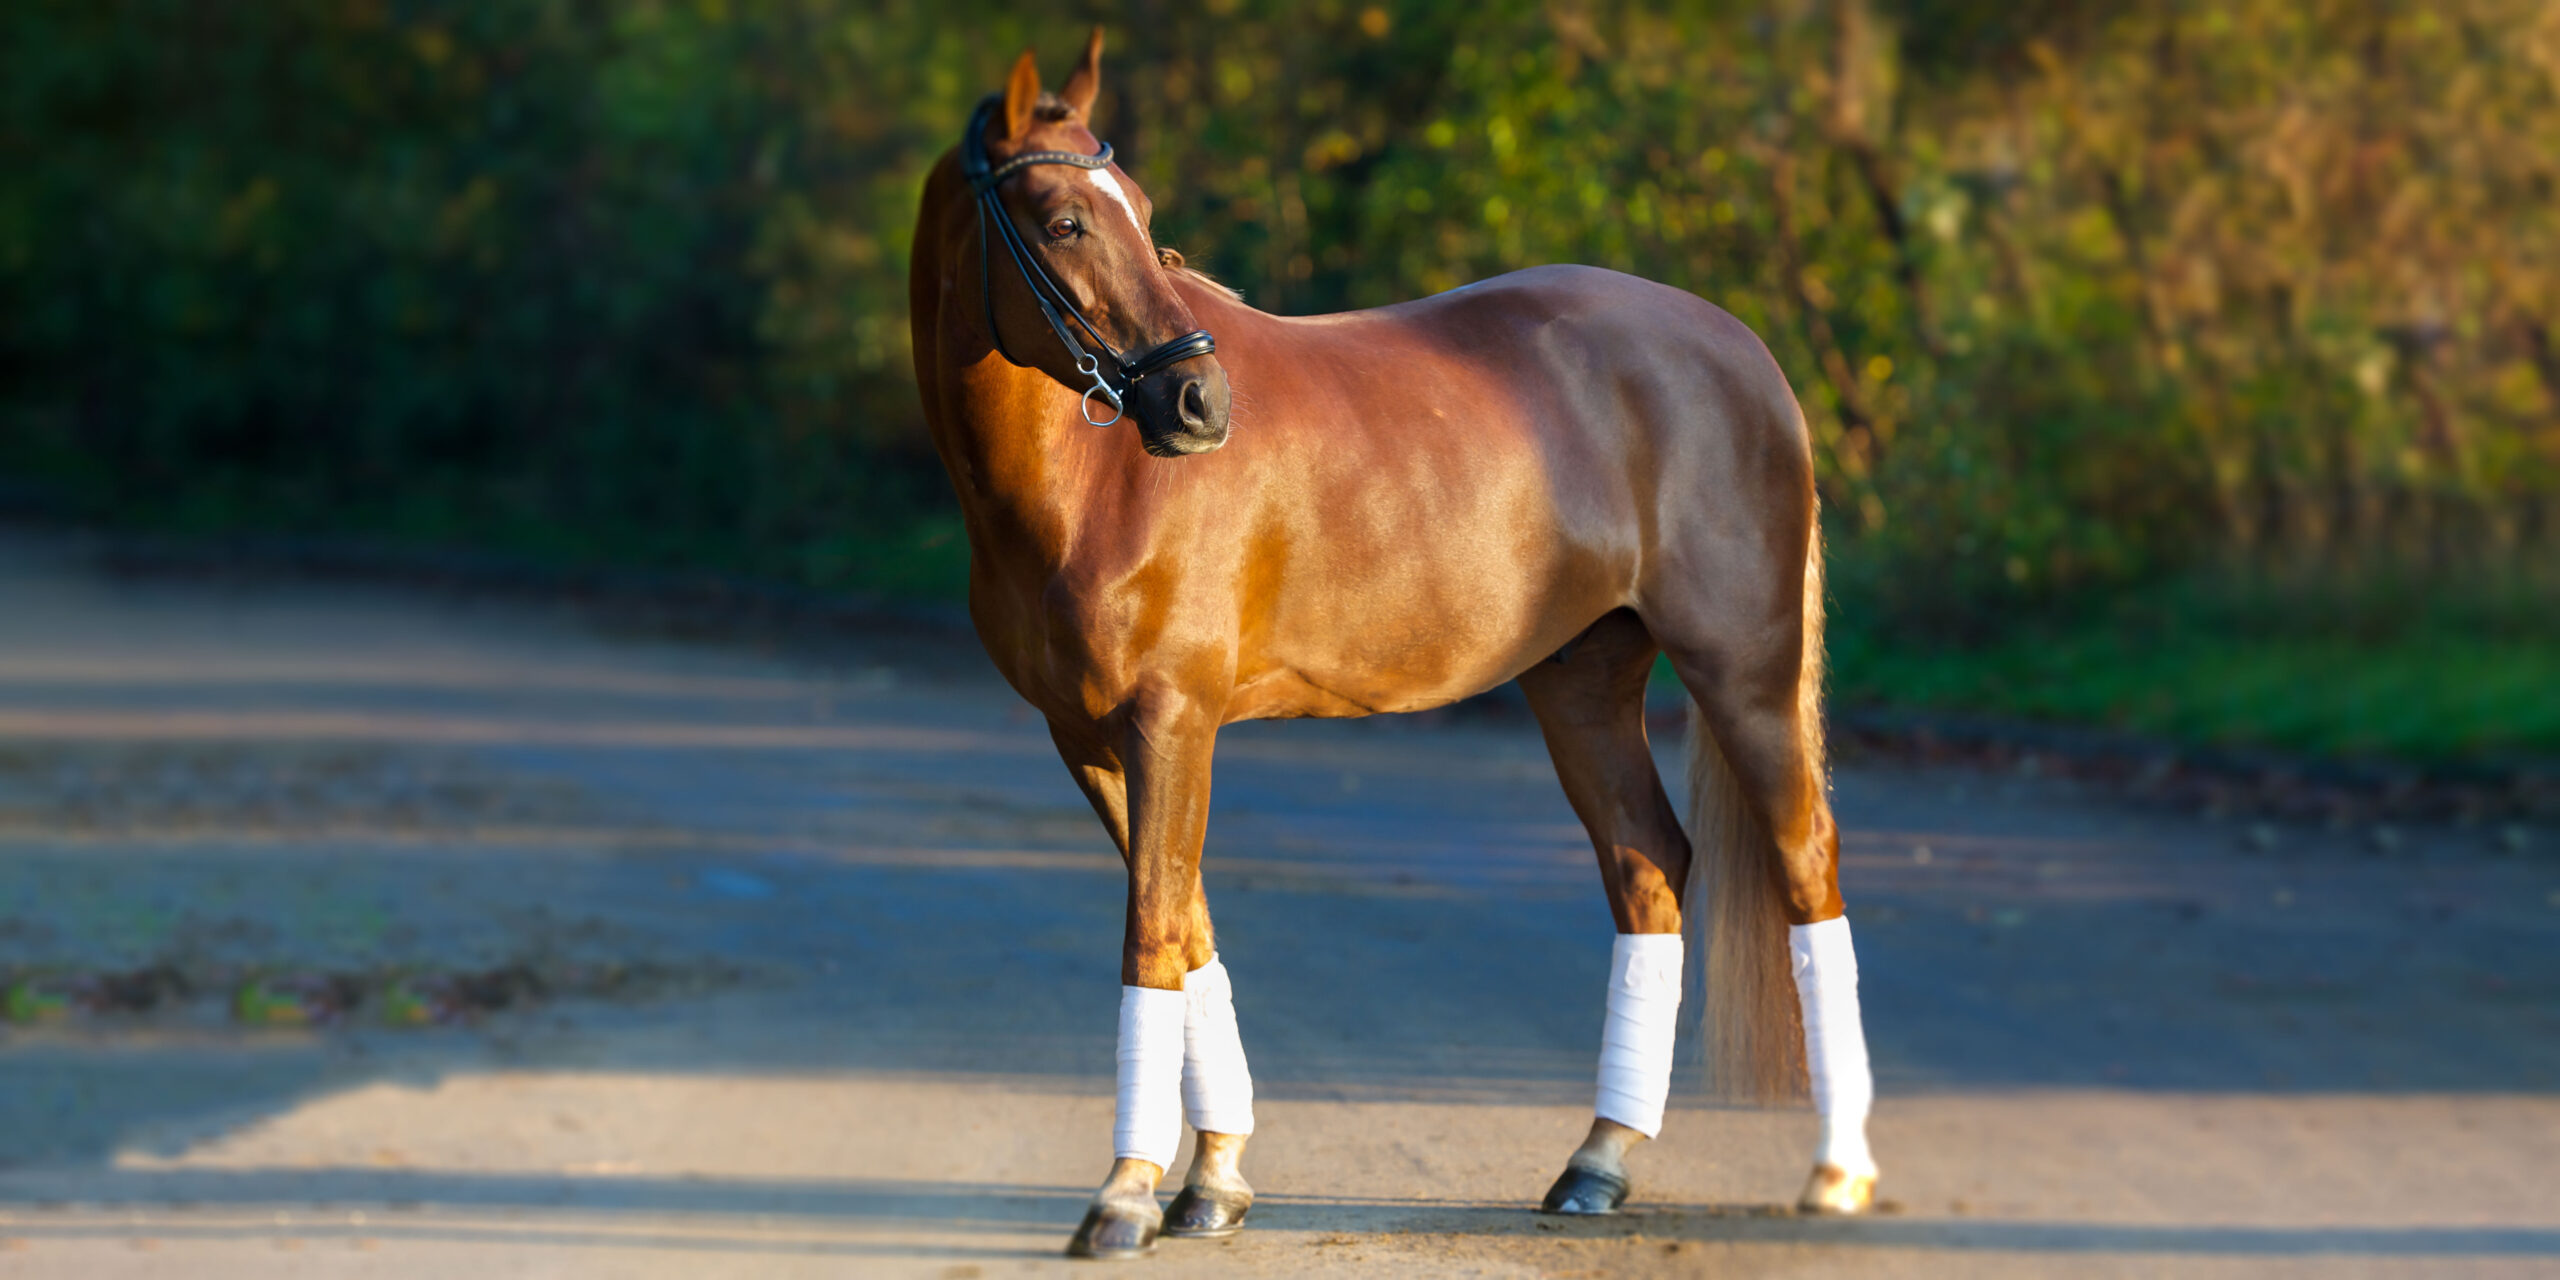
830	944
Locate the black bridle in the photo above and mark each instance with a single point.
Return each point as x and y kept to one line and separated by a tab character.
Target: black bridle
1113	374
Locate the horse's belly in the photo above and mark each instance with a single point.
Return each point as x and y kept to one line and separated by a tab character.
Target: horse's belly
1435	649
1287	694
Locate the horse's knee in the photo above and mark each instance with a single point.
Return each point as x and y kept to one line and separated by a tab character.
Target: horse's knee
1179	937
1157	955
1166	937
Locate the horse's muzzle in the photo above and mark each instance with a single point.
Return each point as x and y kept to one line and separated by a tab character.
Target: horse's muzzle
1182	411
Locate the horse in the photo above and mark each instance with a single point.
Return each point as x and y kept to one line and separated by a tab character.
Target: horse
1550	476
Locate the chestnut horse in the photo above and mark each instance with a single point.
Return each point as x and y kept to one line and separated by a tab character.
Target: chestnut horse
1549	476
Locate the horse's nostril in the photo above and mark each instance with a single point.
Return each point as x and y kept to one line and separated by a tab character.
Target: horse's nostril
1195	405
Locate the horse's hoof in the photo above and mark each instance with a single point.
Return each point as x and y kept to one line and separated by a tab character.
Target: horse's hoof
1198	1214
1110	1231
1583	1192
1833	1189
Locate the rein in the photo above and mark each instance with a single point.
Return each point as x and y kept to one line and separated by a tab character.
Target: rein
1113	374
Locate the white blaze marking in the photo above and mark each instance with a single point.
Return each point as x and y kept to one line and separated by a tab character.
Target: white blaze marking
1111	187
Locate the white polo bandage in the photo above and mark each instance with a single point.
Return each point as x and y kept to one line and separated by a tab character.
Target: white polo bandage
1217	1090
1148	1124
1835	1045
1644	1022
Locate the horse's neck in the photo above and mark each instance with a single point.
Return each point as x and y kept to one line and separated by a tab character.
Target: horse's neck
1025	468
1033	476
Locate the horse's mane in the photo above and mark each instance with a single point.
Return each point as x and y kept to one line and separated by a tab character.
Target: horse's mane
1173	258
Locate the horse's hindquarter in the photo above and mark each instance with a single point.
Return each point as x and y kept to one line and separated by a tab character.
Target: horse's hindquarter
1448	491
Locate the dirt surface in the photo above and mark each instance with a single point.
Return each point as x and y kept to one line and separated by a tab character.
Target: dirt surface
396	933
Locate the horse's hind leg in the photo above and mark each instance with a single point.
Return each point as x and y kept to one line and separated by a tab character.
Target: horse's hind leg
1778	952
1589	702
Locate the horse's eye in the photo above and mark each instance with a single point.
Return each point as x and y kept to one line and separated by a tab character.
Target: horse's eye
1062	228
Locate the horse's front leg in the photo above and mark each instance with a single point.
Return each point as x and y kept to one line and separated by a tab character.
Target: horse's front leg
1178	1046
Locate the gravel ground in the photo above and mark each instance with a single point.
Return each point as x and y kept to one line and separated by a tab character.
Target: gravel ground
397	932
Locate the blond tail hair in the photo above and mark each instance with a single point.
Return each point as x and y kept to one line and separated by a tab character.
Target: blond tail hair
1755	1031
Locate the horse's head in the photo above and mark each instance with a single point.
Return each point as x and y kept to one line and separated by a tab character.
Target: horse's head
1109	304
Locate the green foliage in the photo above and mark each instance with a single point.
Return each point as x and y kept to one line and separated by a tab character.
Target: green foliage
540	274
2327	667
2079	300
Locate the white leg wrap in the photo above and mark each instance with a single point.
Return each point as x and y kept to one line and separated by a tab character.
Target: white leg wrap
1217	1090
1835	1045
1644	1020
1148	1125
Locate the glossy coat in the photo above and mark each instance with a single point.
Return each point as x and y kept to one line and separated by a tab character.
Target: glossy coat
1382	510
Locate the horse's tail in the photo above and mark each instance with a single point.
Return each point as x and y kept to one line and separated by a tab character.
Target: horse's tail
1755	1032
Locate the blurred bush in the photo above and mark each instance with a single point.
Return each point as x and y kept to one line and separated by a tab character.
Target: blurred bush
617	280
2080	299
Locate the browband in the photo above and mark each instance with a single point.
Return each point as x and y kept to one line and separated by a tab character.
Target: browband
986	177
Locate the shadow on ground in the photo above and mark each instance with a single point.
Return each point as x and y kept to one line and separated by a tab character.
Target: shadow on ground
963	1210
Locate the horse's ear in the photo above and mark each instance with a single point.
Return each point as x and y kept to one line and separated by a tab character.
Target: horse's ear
1021	94
1087	78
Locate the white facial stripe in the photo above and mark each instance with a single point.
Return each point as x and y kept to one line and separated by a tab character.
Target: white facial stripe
1111	187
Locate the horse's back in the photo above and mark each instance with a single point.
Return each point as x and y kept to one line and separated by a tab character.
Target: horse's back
1672	362
1627	374
1667	428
